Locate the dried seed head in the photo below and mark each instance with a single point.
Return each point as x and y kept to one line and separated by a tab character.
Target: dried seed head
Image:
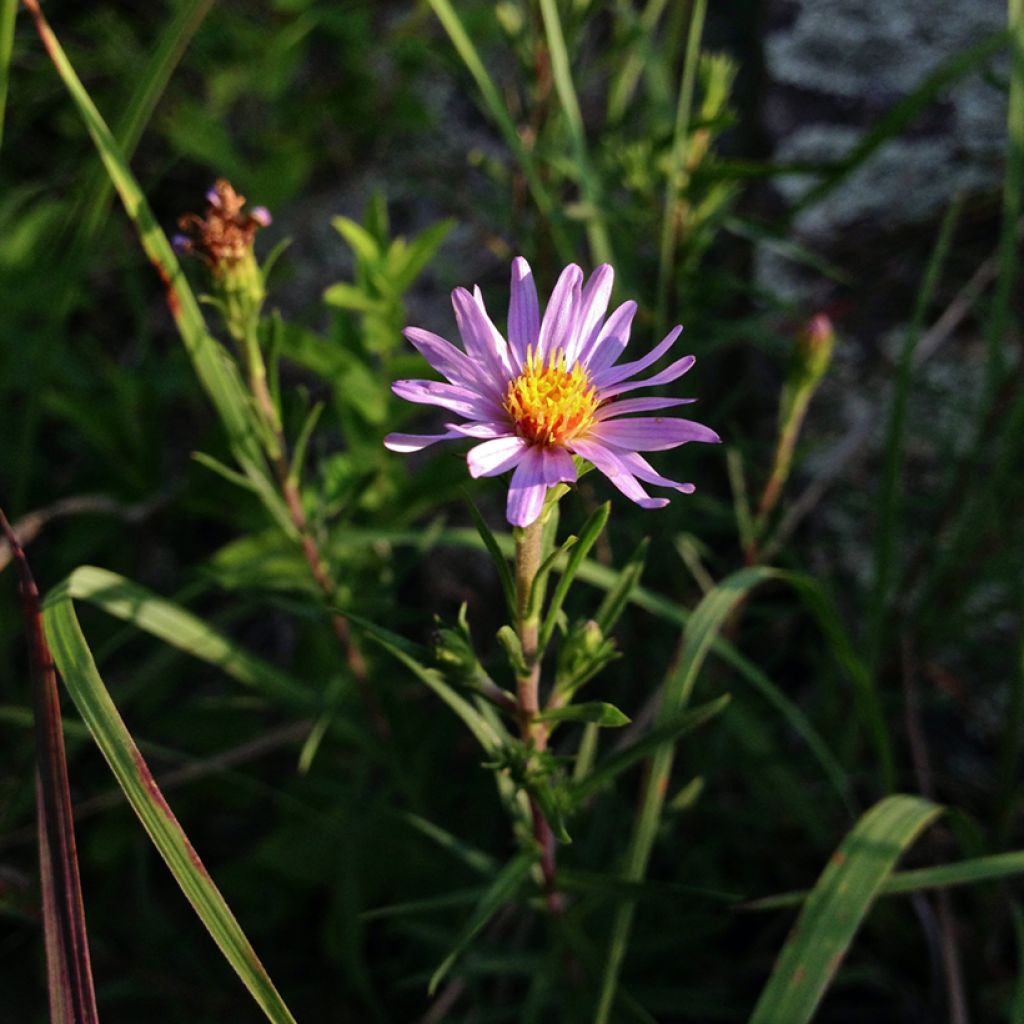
224	236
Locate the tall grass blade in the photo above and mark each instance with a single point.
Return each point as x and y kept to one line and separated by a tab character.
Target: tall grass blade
495	105
216	372
966	872
677	160
705	622
561	71
78	669
69	973
626	77
8	12
889	505
903	114
836	907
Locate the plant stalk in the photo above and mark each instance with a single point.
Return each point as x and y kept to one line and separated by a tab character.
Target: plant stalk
529	552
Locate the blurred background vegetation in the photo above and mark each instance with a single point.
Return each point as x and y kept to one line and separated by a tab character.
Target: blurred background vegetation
846	158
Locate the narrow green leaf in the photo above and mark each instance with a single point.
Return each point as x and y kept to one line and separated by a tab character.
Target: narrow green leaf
700	632
232	476
362	243
420	252
399	648
965	872
350	296
458	898
508	586
75	662
503	889
836	907
621	589
179	628
216	372
8	12
671	730
495	105
597	712
299	452
591	530
590	185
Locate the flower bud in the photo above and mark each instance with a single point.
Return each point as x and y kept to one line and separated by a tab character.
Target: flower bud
223	240
814	347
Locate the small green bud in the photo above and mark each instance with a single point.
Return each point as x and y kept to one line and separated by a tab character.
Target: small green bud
814	347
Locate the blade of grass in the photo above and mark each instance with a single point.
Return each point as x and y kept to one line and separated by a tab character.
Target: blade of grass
903	114
470	56
707	619
69	973
889	494
677	160
216	372
8	11
836	907
625	79
966	872
147	90
597	231
78	669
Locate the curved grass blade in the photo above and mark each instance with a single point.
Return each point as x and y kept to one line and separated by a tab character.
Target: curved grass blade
700	632
470	56
508	586
671	730
597	230
836	907
967	872
501	891
8	11
179	628
218	375
72	995
75	662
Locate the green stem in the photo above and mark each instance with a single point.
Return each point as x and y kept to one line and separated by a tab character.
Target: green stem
529	553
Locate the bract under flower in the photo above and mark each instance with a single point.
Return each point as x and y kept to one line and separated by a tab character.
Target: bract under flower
551	390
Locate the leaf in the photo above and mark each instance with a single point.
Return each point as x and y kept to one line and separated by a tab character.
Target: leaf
965	872
420	252
598	712
218	375
836	907
362	243
502	889
349	296
78	669
8	12
72	995
299	452
508	586
589	533
621	589
410	656
669	731
707	619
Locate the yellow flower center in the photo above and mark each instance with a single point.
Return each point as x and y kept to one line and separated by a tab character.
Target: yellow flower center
549	403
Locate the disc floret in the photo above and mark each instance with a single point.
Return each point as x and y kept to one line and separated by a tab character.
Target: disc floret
549	403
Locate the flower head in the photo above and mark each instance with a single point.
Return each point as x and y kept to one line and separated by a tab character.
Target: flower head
224	237
549	391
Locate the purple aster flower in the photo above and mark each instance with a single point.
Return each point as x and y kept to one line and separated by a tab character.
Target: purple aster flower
550	391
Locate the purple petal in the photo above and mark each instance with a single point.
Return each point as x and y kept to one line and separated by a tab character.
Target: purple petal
262	216
497	456
482	431
556	329
415	442
669	374
642	469
444	357
593	305
610	463
619	373
542	467
611	340
480	336
607	411
523	311
650	433
213	196
462	400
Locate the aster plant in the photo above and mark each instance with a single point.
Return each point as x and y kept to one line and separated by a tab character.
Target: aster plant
545	403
